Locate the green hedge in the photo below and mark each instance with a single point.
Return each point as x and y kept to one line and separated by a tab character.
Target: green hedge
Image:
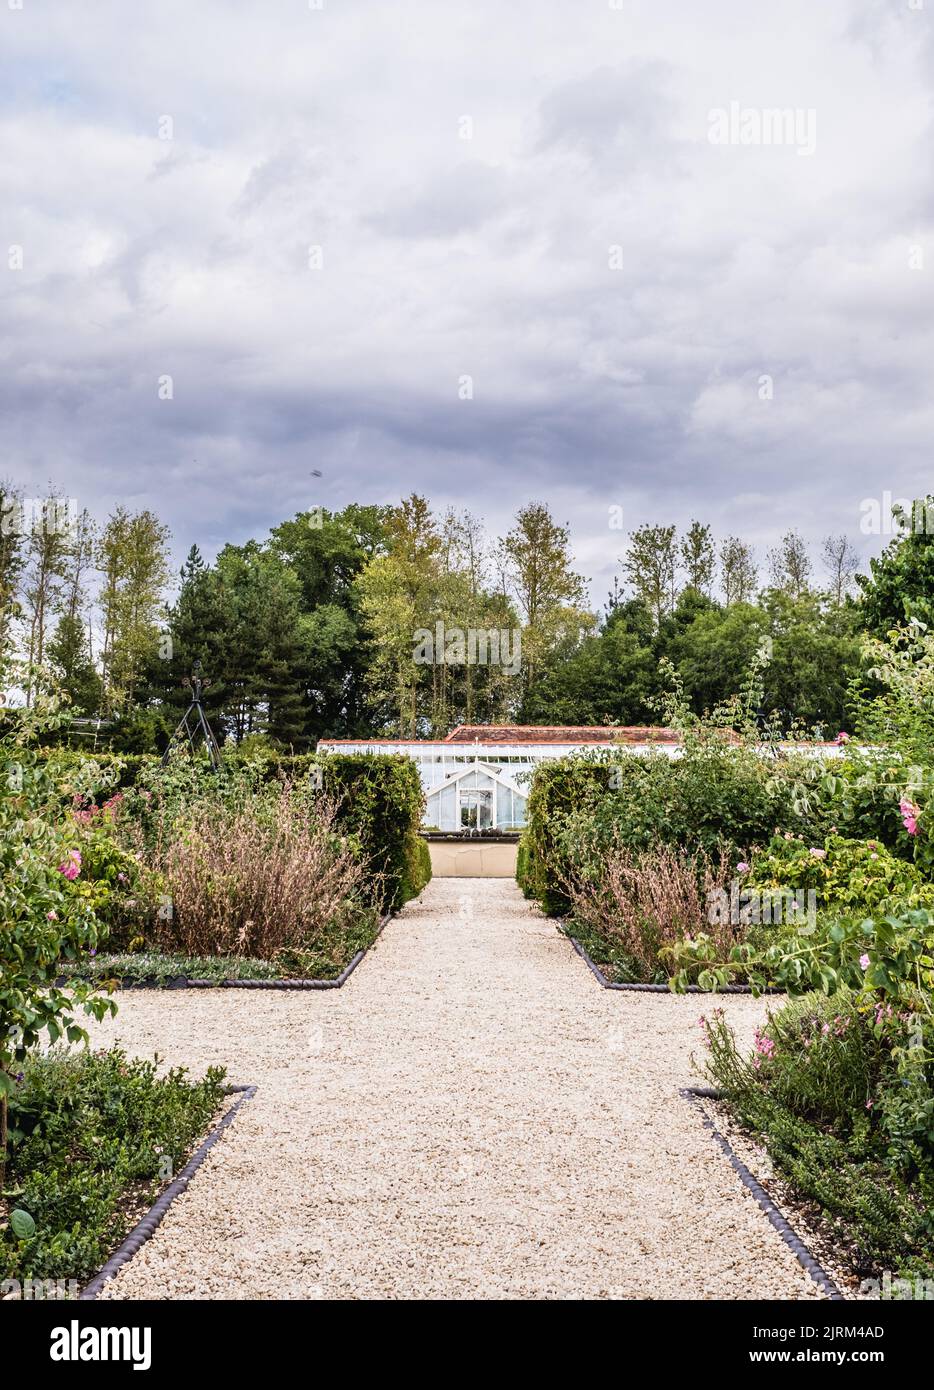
381	800
713	794
558	789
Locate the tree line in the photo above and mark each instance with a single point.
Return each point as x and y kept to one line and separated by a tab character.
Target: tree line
322	628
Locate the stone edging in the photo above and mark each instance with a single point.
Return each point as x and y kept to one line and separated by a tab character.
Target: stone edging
148	1224
694	1095
186	982
657	989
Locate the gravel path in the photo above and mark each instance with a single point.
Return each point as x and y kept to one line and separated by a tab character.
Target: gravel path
470	1116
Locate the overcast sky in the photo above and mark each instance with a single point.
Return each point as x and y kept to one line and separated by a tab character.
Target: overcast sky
318	222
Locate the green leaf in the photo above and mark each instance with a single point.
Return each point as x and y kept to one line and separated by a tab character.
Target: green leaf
24	1228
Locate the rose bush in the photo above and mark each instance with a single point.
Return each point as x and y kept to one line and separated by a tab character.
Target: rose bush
47	909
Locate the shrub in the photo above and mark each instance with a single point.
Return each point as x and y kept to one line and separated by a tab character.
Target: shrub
92	1137
822	1059
270	876
46	908
380	801
715	794
892	956
825	1090
847	875
639	902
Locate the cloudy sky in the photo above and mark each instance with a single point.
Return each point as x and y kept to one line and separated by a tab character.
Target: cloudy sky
486	251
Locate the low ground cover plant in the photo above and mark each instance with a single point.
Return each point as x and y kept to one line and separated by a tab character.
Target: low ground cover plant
94	1136
839	1091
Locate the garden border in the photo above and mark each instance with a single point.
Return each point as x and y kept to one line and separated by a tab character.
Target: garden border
657	989
150	1222
187	982
694	1095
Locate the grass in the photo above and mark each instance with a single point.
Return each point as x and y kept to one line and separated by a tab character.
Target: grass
94	1137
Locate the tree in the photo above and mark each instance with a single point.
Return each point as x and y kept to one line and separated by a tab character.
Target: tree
132	556
79	562
550	595
738	574
260	658
649	567
46	552
398	592
712	648
69	657
841	563
900	583
69	652
12	558
815	652
790	565
328	552
608	677
698	557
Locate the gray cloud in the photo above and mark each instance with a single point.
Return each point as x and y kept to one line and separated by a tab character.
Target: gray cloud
488	257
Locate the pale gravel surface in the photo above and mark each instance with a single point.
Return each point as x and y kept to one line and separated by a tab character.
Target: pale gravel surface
470	1116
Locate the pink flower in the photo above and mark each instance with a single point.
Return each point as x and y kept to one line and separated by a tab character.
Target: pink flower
818	853
842	737
910	813
864	961
72	865
52	916
765	1046
742	868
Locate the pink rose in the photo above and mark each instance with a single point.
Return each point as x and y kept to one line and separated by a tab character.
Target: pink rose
72	865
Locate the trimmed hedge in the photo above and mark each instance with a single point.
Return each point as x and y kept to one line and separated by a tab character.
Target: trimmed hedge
381	801
558	789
